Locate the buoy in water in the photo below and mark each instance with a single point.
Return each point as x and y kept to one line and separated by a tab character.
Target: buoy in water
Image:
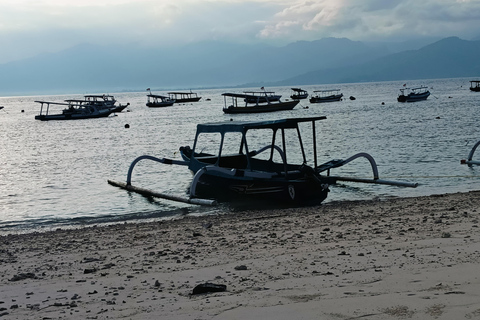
127	126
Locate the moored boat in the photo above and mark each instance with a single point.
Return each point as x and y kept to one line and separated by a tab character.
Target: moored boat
413	94
254	104
475	85
329	95
72	111
299	94
159	101
183	97
103	101
240	168
261	96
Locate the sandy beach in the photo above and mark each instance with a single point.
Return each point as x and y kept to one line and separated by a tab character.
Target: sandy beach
405	258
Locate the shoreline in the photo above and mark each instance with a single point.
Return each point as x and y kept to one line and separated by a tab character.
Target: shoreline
412	257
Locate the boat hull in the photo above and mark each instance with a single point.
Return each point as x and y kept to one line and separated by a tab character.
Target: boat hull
272	107
225	188
159	105
196	99
413	97
336	97
74	116
299	96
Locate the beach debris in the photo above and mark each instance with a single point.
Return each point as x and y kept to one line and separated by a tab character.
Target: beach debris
207	225
23	276
89	270
241	267
208	287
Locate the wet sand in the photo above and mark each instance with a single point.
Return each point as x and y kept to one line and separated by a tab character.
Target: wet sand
406	258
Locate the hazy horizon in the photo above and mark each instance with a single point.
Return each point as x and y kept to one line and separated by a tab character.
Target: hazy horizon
29	28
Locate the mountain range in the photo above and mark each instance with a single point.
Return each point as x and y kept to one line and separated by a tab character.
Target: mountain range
93	68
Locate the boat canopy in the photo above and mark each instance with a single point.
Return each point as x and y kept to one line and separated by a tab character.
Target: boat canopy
328	90
242	126
157	96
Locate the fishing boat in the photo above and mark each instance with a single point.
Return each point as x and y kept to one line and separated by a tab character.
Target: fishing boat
72	111
241	168
261	96
158	101
326	96
183	97
103	101
413	94
254	104
299	94
475	85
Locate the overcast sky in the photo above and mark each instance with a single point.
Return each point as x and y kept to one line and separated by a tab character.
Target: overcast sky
29	27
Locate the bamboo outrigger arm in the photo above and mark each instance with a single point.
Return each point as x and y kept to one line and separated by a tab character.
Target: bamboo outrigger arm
161	160
469	161
338	163
128	185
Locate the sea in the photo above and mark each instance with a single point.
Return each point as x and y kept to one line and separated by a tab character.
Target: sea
54	174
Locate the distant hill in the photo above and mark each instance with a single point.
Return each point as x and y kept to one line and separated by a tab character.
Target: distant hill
447	58
90	68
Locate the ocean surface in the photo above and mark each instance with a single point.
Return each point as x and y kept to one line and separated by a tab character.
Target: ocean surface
54	174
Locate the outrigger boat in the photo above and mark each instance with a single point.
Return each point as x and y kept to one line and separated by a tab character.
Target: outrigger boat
100	101
73	111
183	97
299	94
254	104
158	101
330	95
271	174
413	94
261	96
470	160
475	85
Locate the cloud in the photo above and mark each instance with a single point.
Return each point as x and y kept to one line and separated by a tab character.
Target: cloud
374	19
28	27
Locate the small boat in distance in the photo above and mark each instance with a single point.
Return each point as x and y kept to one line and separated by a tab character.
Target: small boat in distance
326	96
73	111
255	104
299	94
413	94
183	97
158	101
261	96
475	85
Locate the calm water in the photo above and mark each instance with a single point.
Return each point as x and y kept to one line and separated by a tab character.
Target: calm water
55	173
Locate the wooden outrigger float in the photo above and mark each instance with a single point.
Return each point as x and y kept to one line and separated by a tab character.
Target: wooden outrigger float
260	175
469	160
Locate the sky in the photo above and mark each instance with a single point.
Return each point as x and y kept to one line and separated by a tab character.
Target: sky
32	27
